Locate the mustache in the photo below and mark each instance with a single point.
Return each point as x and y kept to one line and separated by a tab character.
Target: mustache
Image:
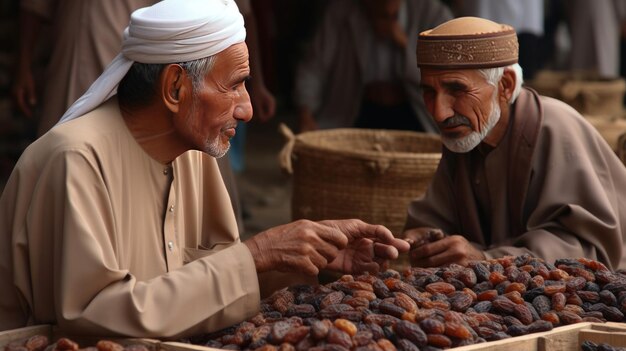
456	120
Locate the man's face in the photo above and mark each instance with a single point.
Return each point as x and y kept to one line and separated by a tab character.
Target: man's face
219	103
463	105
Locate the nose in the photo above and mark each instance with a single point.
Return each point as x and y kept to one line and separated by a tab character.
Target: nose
441	108
243	107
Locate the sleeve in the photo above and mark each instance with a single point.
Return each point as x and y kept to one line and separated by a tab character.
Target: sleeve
313	69
573	200
93	295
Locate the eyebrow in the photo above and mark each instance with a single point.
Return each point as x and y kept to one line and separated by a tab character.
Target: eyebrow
454	85
241	79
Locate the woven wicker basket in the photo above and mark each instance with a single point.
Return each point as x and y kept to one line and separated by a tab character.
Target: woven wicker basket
360	173
583	91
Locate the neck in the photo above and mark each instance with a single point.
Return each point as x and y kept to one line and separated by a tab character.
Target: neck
152	128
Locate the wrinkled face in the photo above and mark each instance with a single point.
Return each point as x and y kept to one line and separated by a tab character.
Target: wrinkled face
463	105
219	103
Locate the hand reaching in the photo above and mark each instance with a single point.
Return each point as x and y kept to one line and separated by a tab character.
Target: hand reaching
450	249
369	247
302	246
349	246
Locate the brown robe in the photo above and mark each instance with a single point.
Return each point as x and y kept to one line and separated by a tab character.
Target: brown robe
101	239
552	188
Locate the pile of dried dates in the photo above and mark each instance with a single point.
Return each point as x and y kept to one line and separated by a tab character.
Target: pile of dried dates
431	308
42	343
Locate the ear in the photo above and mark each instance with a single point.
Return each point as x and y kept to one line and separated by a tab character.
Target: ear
174	87
507	86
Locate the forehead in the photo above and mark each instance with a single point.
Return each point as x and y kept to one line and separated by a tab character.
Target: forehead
467	76
233	58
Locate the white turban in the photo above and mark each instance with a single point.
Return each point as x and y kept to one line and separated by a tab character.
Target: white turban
168	32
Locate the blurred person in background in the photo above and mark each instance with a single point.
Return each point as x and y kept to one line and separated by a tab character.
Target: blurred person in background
360	69
526	16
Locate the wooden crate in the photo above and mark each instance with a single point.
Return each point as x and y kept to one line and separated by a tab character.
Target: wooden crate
564	338
53	334
559	339
179	346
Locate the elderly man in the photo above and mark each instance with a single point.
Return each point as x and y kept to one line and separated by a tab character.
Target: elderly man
520	173
117	222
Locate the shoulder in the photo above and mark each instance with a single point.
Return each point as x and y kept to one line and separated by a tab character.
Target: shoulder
564	120
96	133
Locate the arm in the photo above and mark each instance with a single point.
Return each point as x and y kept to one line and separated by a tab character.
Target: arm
262	99
580	217
23	89
312	70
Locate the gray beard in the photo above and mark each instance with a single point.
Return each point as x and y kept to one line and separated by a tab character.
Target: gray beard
469	142
211	147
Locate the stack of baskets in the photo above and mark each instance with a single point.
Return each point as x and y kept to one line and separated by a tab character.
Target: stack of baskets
360	173
584	91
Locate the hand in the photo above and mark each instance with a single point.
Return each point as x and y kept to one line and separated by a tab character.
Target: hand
263	102
23	91
370	247
307	121
450	249
420	236
302	246
398	36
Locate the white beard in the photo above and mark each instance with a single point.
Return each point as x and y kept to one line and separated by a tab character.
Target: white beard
469	142
211	147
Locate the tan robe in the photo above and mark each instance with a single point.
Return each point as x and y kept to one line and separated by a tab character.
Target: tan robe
552	188
100	238
87	35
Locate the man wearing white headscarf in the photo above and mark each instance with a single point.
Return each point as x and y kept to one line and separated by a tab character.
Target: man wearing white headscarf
117	222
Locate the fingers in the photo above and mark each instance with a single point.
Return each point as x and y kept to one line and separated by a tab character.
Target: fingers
357	229
332	235
304	264
431	254
385	252
451	249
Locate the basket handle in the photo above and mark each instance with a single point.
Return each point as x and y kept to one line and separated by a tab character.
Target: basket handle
284	156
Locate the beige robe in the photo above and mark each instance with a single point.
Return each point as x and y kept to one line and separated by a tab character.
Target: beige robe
552	188
99	238
87	35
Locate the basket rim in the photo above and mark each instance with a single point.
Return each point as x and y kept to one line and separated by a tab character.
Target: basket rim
302	142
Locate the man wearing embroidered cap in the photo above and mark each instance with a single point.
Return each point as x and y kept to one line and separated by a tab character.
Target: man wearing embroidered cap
520	173
117	222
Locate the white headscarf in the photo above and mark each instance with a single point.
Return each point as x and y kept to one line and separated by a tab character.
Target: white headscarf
169	31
